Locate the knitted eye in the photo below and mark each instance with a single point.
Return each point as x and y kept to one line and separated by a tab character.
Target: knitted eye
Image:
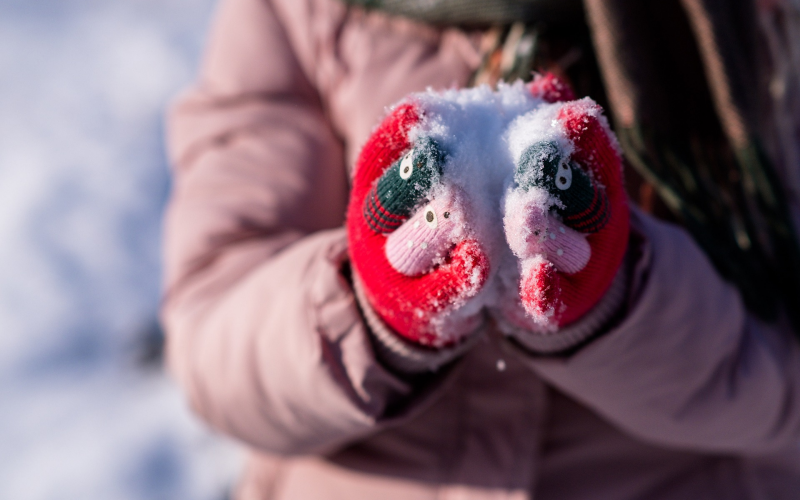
430	217
563	176
406	167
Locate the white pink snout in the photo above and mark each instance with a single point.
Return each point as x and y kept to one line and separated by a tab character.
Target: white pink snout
424	239
543	234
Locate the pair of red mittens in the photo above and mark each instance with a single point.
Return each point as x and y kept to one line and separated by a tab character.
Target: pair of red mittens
419	270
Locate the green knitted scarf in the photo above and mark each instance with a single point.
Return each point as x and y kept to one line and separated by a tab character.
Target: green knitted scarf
477	12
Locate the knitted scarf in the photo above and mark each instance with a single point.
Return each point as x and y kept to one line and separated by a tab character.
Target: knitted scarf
477	12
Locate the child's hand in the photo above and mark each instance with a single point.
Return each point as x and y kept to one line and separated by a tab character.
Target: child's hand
520	176
566	219
406	243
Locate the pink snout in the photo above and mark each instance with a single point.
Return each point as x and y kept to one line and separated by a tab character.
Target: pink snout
566	248
424	239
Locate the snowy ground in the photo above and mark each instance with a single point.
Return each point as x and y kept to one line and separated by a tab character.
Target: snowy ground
82	185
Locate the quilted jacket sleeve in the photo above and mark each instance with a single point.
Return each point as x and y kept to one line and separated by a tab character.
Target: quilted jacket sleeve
688	367
263	331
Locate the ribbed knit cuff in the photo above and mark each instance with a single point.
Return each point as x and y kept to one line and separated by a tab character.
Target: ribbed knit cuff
582	330
401	354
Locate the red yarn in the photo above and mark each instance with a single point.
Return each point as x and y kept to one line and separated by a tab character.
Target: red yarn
539	289
550	88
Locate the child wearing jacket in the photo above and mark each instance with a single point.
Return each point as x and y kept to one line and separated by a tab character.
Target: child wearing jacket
285	335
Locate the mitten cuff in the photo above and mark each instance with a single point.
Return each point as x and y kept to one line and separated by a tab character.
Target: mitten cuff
400	354
581	331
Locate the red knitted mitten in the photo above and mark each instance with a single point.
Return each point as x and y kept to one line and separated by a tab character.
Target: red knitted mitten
416	273
550	88
566	219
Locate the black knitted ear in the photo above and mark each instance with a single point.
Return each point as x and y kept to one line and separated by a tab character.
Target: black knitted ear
585	204
403	186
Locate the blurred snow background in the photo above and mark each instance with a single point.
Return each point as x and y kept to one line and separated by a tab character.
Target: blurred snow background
86	412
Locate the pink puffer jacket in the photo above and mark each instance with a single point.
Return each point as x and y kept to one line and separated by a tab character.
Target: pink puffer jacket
687	397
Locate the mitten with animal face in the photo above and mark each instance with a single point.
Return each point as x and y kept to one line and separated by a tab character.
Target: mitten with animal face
417	265
566	214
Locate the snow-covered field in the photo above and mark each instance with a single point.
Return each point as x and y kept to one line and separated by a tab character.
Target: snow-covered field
83	180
